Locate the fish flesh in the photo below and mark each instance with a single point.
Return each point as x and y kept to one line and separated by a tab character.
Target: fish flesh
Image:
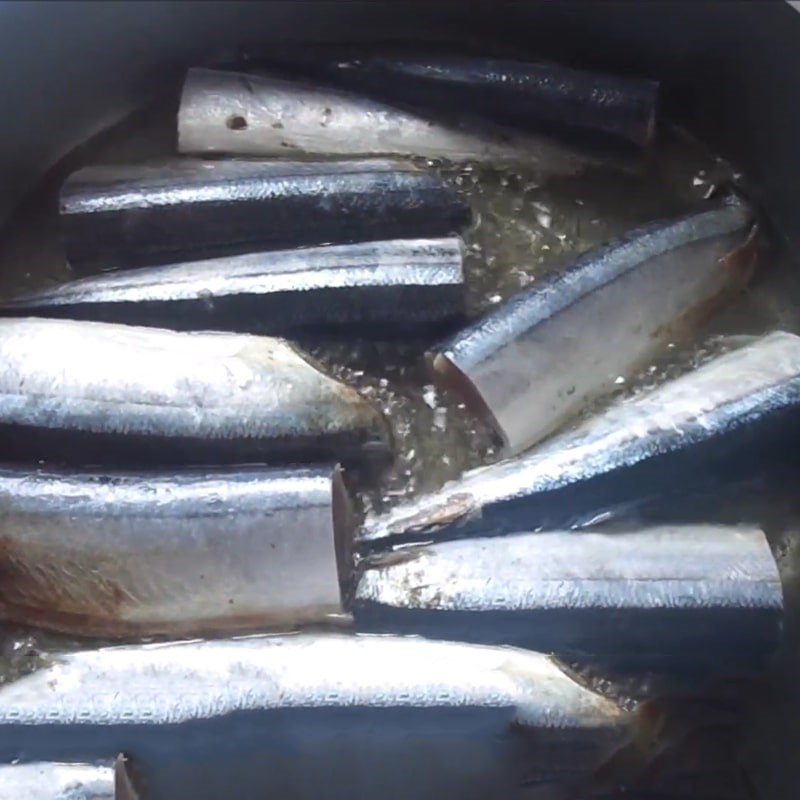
735	415
536	361
545	97
183	553
52	781
702	596
116	216
386	285
234	113
315	714
94	392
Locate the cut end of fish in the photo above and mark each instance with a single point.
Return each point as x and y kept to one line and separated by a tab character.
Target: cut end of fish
344	527
123	783
451	379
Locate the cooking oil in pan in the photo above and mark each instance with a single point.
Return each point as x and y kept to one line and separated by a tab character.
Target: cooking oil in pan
524	227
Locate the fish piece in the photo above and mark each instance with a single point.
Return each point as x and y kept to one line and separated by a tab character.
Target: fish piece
120	554
573	104
309	714
539	359
94	393
700	597
229	112
184	209
732	417
53	781
385	285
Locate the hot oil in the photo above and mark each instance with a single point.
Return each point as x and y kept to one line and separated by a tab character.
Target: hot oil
525	227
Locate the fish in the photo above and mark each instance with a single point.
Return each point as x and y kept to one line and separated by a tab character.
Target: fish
52	781
118	216
94	393
731	417
384	286
545	97
337	714
696	598
257	115
538	360
174	553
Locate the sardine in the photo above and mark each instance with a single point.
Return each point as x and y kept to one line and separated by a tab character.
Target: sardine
710	426
93	393
229	112
385	285
539	359
702	597
544	97
53	781
118	554
312	715
185	209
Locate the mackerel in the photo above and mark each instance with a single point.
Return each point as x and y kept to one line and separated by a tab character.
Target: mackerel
729	418
308	715
544	97
536	361
698	598
388	286
228	112
182	553
178	210
98	393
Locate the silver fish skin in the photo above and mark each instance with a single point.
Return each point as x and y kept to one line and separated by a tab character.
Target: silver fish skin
310	711
733	413
54	781
183	553
234	113
520	93
575	104
524	367
182	209
699	597
93	393
400	282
